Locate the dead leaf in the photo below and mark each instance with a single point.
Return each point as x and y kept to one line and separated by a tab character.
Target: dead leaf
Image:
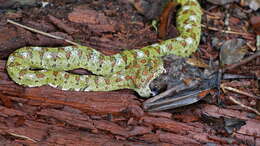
253	4
255	22
232	51
197	62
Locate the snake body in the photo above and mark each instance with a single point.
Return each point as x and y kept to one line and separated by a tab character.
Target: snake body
132	69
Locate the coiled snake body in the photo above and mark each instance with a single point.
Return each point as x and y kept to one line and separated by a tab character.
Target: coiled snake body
132	69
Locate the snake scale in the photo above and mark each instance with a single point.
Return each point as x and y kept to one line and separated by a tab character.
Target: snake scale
131	69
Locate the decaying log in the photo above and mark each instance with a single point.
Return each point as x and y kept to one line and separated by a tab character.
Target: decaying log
49	116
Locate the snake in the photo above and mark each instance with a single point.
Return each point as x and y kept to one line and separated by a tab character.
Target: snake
129	69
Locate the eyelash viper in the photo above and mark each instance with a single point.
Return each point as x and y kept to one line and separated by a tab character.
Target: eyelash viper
132	69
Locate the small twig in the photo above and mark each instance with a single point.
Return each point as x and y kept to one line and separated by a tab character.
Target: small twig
241	92
212	15
21	136
244	61
165	18
42	33
238	102
250	46
242	105
226	31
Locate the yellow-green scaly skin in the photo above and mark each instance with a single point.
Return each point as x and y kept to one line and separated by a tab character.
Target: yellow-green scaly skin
131	69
